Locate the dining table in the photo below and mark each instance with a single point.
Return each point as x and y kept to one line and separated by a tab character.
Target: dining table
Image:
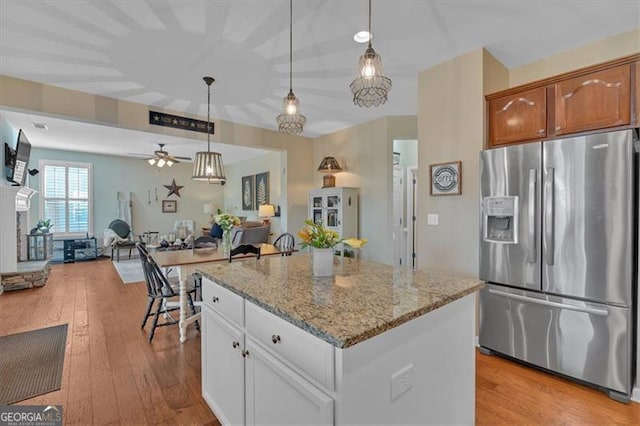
185	262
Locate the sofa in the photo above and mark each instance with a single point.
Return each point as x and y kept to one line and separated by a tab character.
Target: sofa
249	232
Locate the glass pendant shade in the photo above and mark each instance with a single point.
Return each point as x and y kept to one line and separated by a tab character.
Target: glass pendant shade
291	122
208	167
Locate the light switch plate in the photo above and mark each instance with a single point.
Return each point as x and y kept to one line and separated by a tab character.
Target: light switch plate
433	219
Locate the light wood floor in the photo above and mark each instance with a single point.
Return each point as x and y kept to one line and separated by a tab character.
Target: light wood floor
112	375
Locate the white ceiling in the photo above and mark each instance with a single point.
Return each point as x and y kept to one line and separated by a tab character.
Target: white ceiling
156	52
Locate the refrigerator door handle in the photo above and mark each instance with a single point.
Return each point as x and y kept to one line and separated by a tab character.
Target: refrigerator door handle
586	309
549	216
531	258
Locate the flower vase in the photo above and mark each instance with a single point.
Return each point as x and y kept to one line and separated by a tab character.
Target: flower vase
322	262
226	242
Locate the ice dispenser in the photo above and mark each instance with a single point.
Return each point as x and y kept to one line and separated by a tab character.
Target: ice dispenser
500	219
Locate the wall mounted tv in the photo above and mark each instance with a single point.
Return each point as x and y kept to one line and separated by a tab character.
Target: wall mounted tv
16	161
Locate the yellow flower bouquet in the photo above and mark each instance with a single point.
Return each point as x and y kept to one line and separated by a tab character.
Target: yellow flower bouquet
317	236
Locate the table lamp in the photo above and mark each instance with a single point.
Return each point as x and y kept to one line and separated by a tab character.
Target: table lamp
266	211
328	166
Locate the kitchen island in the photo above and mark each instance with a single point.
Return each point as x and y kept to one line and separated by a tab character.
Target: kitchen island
371	345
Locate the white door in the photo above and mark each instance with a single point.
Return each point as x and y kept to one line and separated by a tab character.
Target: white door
276	394
397	227
222	368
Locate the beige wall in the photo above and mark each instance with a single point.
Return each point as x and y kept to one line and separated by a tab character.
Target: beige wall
600	51
365	153
23	95
271	163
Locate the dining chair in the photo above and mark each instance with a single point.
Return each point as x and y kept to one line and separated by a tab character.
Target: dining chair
285	243
160	290
244	249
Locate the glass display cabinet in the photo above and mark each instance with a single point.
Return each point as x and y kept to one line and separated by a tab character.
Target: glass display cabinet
39	246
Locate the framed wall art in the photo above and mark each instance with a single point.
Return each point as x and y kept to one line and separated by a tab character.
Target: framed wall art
169	206
262	189
446	178
248	193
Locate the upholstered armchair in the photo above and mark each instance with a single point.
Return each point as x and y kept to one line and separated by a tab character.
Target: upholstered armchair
119	236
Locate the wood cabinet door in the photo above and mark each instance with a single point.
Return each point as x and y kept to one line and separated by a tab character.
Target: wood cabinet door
637	93
222	367
277	395
593	101
518	117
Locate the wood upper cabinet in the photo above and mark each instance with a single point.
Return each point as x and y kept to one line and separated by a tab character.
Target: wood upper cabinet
637	91
518	117
592	101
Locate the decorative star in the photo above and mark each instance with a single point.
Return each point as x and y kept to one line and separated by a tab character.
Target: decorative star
173	188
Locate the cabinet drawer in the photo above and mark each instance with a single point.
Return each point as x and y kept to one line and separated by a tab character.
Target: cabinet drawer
304	351
223	301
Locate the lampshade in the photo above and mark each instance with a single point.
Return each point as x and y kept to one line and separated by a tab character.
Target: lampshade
371	86
266	210
207	166
329	165
208	208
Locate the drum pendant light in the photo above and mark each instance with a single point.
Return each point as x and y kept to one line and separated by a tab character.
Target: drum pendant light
208	166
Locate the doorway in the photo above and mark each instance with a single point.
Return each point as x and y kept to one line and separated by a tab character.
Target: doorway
405	169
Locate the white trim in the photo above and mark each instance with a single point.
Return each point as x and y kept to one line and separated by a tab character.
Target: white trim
89	166
635	395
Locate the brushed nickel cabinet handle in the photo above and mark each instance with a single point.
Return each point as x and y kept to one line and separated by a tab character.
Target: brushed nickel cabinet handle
541	131
245	353
558	127
236	344
215	299
275	338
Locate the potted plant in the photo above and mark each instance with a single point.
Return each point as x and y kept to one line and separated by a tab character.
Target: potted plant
322	241
44	225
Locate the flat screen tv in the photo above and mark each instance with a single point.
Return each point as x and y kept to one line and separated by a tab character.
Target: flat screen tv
16	161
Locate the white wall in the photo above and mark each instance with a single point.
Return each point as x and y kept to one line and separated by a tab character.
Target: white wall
408	149
272	163
112	174
8	253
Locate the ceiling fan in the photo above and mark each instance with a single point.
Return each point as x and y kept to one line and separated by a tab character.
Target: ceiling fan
162	158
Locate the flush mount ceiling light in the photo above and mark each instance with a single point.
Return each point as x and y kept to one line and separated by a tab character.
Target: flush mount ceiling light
208	165
362	36
291	121
371	87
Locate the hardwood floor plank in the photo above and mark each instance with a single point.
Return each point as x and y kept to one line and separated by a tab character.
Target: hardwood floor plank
112	375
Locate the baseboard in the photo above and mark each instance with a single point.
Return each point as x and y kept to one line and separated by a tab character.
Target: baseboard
476	341
635	395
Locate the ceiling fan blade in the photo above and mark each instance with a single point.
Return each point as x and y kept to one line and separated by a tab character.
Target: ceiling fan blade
137	154
182	158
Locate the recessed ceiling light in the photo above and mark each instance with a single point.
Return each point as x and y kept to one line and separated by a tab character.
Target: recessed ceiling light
40	126
362	36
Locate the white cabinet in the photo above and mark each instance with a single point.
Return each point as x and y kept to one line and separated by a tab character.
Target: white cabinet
248	376
223	367
336	208
277	395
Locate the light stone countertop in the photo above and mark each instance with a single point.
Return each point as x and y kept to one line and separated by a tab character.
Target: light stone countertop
362	300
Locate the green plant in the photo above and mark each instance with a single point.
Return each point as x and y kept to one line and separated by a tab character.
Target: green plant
227	221
44	223
315	235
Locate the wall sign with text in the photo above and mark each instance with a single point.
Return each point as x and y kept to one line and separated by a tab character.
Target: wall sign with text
446	178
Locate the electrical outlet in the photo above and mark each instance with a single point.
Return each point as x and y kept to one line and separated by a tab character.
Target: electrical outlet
433	219
401	381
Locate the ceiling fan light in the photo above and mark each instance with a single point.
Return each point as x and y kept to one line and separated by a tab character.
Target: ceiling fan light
152	161
161	162
169	163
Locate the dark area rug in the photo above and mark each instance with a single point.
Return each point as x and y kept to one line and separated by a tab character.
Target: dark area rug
31	363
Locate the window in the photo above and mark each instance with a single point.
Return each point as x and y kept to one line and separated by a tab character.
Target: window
66	196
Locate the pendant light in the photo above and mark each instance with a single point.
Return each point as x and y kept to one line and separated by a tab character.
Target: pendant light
291	121
208	165
371	87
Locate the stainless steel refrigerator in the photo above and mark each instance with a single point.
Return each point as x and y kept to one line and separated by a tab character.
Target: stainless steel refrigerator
558	253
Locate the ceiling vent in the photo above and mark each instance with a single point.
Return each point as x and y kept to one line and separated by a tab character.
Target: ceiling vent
40	126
